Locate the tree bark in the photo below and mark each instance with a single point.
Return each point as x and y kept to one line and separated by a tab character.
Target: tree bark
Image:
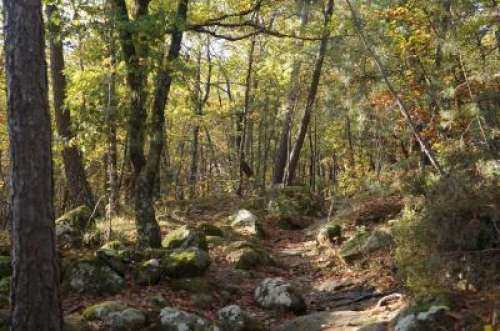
293	94
35	300
295	154
79	192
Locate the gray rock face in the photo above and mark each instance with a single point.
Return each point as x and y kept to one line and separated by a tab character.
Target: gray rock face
246	223
363	244
247	256
67	235
276	293
185	237
433	319
93	277
233	318
130	319
172	319
148	272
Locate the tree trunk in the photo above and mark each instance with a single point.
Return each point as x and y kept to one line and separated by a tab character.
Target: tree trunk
146	169
78	187
295	154
35	301
293	94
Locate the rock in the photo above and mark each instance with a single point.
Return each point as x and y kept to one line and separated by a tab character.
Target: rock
103	310
233	318
407	323
130	319
338	320
172	319
115	245
247	256
92	276
246	223
329	235
189	262
331	286
363	244
215	241
68	236
185	237
157	300
5	267
116	260
193	285
276	293
75	322
210	230
148	272
436	318
77	218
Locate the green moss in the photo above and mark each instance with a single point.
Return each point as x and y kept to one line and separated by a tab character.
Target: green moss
210	230
5	267
185	237
77	218
102	310
185	263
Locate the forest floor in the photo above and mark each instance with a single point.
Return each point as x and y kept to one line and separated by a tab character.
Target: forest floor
326	283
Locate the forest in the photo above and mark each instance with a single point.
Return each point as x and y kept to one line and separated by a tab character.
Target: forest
250	165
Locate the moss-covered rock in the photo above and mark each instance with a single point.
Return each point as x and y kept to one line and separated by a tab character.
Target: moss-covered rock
364	243
5	267
75	322
210	230
172	319
148	272
329	235
78	218
103	310
192	285
247	256
157	301
115	259
189	262
185	237
92	276
276	293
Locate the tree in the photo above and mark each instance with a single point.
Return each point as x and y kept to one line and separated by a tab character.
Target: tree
146	168
77	184
35	283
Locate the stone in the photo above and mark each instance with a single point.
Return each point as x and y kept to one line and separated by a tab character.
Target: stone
276	293
157	300
189	262
247	256
185	237
103	310
68	235
172	319
233	318
202	300
246	223
5	267
92	276
435	318
148	272
116	260
130	319
364	243
331	286
77	218
75	322
192	285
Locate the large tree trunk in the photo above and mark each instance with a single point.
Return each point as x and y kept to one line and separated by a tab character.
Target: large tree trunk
295	154
35	302
293	94
79	192
146	169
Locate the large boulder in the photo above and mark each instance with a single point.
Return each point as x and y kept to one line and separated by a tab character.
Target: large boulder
247	256
364	243
436	318
185	237
329	235
117	260
246	223
190	262
92	276
233	318
172	319
276	293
